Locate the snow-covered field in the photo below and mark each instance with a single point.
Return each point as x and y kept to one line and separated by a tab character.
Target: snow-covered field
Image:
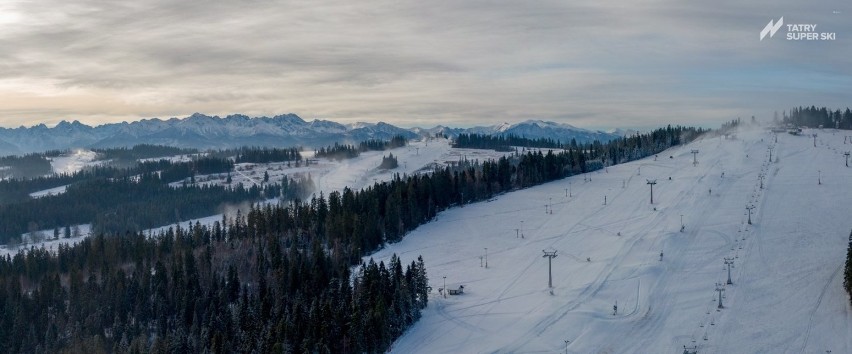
416	157
44	239
49	192
73	162
786	296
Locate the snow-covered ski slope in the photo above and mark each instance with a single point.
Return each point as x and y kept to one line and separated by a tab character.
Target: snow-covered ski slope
332	175
786	297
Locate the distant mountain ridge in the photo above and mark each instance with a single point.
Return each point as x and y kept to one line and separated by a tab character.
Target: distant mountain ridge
205	132
540	129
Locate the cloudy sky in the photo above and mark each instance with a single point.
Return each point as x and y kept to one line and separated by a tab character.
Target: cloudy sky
590	63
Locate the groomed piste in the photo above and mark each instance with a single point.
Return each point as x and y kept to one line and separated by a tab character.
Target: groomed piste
660	264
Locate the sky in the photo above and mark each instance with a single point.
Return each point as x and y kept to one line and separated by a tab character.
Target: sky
589	63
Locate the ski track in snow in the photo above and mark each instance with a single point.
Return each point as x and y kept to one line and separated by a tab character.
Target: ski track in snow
786	295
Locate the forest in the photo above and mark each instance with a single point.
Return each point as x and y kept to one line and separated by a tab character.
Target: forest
814	117
26	166
380	145
503	142
260	154
254	283
345	151
115	199
389	162
338	152
115	206
127	157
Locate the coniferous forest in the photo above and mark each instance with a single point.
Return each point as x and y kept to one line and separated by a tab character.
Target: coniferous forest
27	166
503	142
338	152
814	117
266	155
127	157
344	151
389	162
379	145
118	199
262	283
278	279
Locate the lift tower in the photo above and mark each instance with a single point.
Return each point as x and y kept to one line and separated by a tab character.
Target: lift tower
550	254
652	182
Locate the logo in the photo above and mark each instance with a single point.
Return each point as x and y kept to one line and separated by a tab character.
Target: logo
771	28
797	31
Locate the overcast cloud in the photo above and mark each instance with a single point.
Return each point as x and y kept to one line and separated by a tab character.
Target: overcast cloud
590	63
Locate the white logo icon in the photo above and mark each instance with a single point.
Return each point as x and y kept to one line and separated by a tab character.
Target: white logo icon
771	28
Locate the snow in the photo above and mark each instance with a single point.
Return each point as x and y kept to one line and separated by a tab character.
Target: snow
208	221
787	293
73	162
47	242
416	157
174	158
49	192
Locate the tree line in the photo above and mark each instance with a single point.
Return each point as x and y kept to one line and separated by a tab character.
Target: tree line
347	151
338	152
26	166
128	156
266	155
814	117
503	142
381	145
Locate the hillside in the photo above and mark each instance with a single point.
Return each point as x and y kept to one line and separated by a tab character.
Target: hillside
786	295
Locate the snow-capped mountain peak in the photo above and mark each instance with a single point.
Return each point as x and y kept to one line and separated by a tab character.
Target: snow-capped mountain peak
196	131
205	131
502	127
540	129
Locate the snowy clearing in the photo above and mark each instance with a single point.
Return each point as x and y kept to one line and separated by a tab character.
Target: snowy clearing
175	158
49	192
44	239
786	296
73	162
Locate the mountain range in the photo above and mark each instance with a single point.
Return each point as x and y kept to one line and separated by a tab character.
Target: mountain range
211	132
